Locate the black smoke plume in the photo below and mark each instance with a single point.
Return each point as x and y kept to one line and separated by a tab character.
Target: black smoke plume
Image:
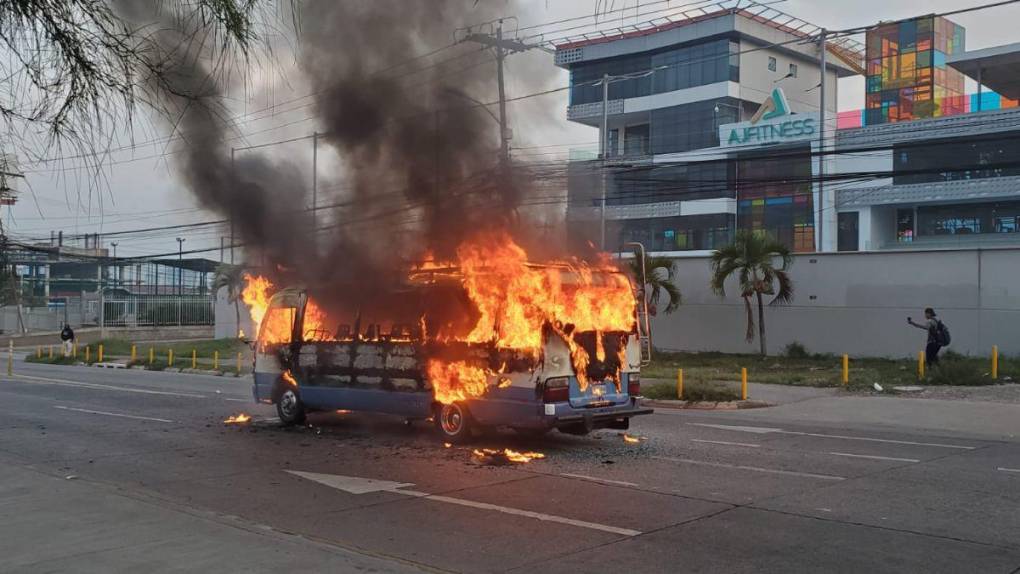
421	165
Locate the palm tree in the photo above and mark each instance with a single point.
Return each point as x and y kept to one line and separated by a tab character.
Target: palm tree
231	278
659	276
752	256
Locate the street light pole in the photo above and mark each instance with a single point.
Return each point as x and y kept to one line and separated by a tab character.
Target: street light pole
116	267
821	148
180	270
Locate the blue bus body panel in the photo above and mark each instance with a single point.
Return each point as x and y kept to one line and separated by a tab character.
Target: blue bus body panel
405	404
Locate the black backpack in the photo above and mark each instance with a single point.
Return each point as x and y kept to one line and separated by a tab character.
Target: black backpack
942	336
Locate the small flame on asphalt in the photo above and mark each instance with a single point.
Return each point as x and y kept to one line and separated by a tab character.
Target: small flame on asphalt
505	456
632	439
447	445
238	419
343	412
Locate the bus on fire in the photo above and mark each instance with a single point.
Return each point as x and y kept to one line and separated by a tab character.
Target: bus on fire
551	346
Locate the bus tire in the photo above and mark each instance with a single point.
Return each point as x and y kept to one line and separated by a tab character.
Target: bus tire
454	423
289	407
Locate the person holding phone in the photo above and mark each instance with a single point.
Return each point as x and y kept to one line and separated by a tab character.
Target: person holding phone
936	340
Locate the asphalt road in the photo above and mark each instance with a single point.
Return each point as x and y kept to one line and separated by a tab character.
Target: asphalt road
128	471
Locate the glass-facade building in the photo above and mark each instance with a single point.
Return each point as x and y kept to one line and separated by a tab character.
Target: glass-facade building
907	75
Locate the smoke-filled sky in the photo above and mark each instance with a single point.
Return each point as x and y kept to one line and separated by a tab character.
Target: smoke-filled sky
146	187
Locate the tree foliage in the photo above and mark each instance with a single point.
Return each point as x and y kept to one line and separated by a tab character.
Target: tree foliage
231	278
659	277
753	258
78	68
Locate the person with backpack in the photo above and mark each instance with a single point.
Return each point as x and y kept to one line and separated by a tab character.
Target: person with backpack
67	339
938	335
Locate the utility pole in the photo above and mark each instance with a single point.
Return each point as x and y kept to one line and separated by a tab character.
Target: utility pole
504	143
315	182
821	147
503	48
604	153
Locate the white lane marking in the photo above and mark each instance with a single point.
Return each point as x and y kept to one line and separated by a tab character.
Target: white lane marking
767	430
1003	469
751	468
239	400
726	443
356	485
91	412
874	457
98	387
597	479
755	430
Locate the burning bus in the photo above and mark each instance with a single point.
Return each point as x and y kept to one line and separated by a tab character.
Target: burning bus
487	340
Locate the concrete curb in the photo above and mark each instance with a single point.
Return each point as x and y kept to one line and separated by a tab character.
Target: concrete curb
706	405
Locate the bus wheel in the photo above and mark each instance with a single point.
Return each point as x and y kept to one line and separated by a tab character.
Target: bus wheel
290	408
454	423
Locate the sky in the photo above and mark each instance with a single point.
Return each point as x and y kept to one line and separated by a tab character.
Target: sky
138	188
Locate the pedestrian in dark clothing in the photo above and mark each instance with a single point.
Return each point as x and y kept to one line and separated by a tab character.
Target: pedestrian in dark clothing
67	338
937	335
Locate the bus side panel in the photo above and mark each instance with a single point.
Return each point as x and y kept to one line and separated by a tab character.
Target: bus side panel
513	406
406	404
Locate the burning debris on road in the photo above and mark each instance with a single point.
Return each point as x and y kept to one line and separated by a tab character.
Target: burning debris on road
238	419
495	457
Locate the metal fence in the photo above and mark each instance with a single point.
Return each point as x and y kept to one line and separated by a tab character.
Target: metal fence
152	310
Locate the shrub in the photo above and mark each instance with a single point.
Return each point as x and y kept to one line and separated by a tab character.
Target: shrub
692	392
956	372
796	350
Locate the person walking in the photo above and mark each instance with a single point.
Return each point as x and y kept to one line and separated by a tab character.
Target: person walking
67	339
938	335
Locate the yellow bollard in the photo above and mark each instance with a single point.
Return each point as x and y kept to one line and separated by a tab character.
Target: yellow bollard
51	351
74	350
194	359
216	360
10	358
88	351
995	362
743	384
239	364
920	365
99	356
152	355
680	384
134	353
169	357
846	369
38	352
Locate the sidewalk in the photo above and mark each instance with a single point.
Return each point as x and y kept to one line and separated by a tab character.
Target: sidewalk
52	524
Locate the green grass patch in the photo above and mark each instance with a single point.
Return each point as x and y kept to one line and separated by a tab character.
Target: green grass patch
707	391
801	368
46	360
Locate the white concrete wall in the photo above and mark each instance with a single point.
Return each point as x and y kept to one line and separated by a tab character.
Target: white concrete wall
858	303
757	81
226	318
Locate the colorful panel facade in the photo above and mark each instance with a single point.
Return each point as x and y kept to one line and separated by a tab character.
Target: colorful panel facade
907	76
775	195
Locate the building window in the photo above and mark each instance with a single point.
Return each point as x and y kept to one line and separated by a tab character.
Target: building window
968	218
636	140
772	64
905	225
793	70
848	236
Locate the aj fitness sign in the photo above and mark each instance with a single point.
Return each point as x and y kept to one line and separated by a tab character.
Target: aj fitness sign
773	123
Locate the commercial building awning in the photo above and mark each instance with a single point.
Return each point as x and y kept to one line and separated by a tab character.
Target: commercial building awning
996	68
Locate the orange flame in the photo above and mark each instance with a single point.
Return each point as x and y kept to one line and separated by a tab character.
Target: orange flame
456	381
507	454
515	301
238	419
289	378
